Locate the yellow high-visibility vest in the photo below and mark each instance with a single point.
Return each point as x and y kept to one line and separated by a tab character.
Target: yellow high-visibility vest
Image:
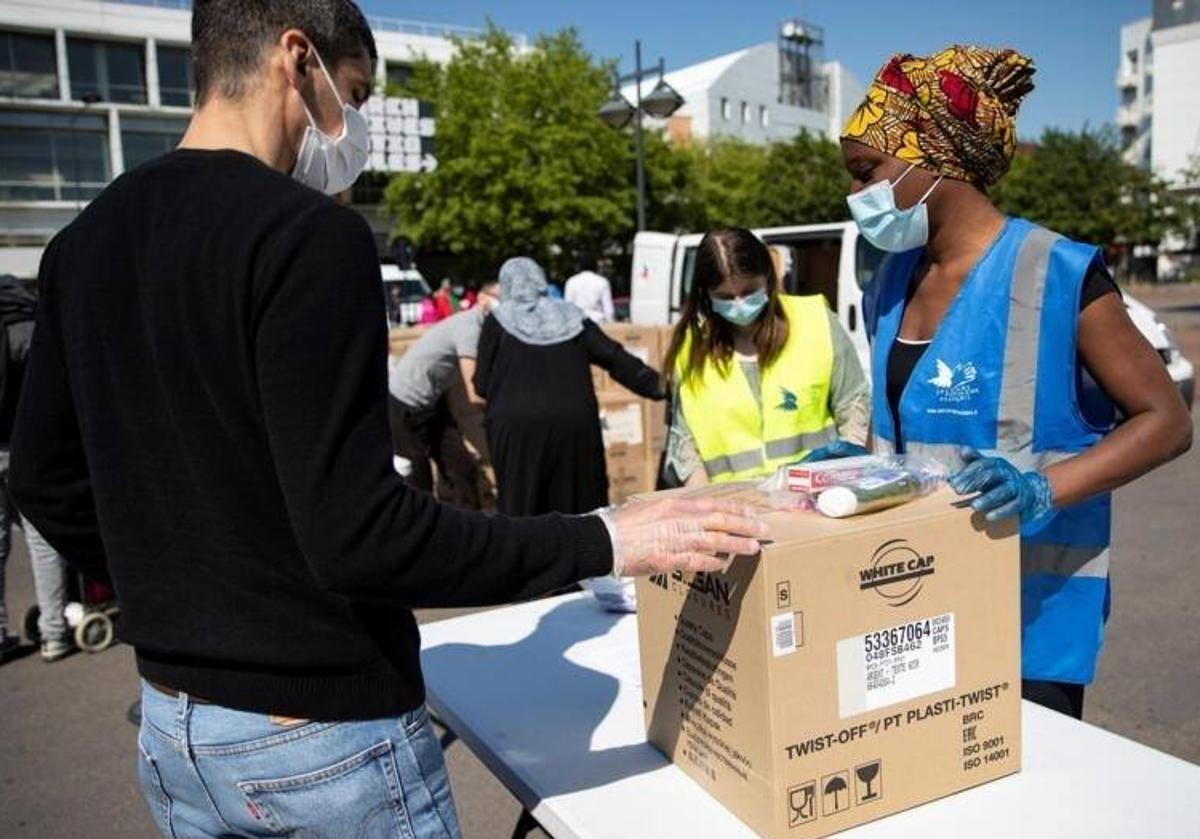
739	437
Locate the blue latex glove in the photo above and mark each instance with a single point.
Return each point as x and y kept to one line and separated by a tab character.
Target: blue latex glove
836	450
1003	490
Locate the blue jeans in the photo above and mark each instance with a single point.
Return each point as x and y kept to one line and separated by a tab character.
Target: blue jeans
208	771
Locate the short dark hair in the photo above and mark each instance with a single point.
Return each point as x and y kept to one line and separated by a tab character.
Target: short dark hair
229	36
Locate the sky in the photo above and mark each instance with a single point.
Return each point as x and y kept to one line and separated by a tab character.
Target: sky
1074	43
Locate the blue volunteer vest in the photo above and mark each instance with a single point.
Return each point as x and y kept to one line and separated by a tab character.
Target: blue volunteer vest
1001	376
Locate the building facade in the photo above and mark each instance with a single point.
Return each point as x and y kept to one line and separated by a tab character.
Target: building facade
90	89
1135	88
1158	80
742	95
1175	121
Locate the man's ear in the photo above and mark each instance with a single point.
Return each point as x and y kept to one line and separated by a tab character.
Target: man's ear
298	55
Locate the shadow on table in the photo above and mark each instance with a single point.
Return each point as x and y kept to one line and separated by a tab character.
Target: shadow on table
509	676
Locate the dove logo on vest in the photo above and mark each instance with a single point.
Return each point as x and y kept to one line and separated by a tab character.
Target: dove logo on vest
956	384
788	401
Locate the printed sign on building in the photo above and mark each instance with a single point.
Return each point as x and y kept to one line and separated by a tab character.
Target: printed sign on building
402	135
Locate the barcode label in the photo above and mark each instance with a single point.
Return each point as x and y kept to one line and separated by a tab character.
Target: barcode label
895	664
783	634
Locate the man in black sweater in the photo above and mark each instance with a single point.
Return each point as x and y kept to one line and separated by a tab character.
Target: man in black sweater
205	420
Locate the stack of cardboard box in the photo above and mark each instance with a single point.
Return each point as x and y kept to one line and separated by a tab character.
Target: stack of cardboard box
634	429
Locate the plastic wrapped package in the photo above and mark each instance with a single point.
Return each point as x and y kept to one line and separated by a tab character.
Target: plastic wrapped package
613	594
850	486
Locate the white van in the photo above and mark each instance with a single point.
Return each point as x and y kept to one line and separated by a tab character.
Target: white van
830	259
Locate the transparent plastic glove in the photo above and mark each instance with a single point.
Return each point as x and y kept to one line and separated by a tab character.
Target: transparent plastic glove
651	537
1003	490
836	450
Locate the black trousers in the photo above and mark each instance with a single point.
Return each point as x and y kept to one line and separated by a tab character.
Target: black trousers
1064	697
432	437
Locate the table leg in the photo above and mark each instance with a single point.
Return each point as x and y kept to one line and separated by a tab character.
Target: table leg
526	824
448	738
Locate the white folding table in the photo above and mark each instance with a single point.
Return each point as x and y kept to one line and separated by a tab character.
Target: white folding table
548	695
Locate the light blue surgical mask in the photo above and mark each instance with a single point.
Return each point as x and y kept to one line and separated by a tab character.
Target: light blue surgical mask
741	311
883	224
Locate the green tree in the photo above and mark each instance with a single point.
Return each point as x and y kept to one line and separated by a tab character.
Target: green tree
671	205
525	167
731	182
727	175
804	182
1077	184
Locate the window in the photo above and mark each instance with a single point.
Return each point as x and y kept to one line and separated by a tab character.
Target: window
107	70
52	157
764	116
145	138
28	66
175	76
725	112
398	76
369	188
745	113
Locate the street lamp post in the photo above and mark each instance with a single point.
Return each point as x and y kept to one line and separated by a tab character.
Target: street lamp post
661	102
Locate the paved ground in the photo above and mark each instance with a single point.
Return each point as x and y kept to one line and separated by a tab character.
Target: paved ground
66	750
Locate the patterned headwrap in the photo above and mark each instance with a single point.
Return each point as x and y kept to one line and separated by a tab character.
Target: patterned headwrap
953	112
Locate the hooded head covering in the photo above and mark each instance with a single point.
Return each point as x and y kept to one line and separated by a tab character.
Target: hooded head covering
527	313
953	112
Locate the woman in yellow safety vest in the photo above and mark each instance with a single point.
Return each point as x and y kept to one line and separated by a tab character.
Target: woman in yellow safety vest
760	378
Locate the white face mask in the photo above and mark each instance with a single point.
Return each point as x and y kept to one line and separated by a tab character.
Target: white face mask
883	224
332	164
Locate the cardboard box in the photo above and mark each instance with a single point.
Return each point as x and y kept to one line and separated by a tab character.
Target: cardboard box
644	342
401	338
621	421
859	667
656	428
651	473
624	456
626	467
600	380
623	486
638	339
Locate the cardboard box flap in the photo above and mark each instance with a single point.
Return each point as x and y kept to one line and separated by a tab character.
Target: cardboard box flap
789	528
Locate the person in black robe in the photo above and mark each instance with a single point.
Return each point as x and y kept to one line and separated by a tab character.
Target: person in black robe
543	423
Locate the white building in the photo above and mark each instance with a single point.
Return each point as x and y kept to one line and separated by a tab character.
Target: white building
1159	83
1135	86
742	94
1175	141
89	89
1159	111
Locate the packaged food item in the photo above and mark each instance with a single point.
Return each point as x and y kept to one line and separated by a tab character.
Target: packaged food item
819	475
875	491
854	485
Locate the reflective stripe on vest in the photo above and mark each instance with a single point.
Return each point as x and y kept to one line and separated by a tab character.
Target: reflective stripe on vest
740	437
1000	376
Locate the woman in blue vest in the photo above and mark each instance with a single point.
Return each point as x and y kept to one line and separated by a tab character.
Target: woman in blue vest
1002	349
